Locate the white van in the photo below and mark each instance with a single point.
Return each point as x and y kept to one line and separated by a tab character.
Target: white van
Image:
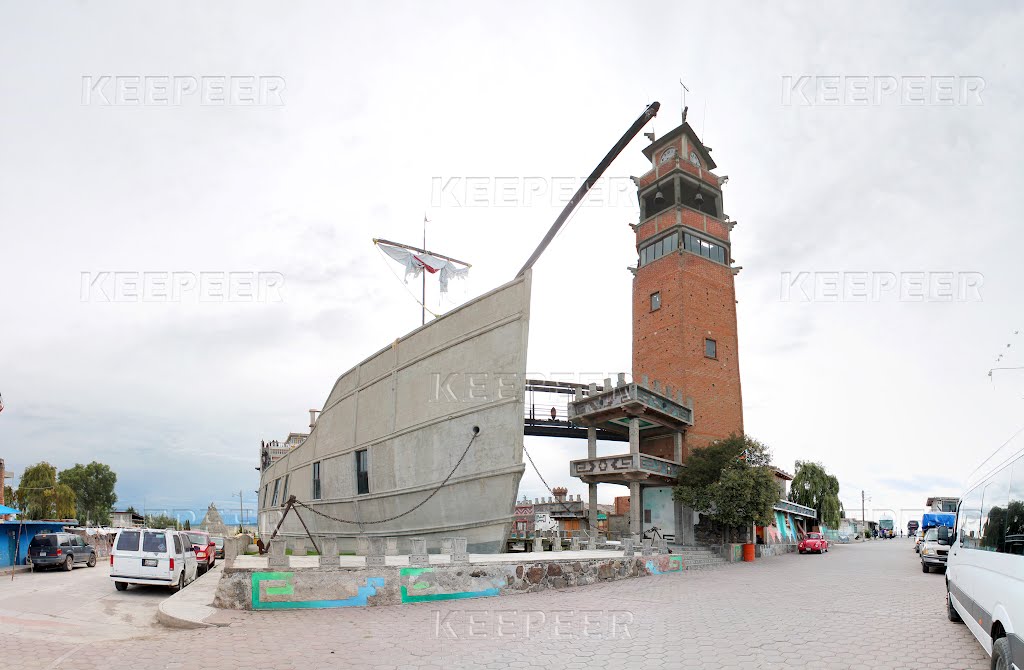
985	565
151	556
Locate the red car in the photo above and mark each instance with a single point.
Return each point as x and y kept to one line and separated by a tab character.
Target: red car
205	548
815	542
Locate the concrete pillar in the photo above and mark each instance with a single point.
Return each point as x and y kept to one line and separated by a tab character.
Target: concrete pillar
647	547
592	515
459	553
277	558
447	545
635	508
376	548
677	447
556	542
627	547
418	557
328	552
231	548
574	543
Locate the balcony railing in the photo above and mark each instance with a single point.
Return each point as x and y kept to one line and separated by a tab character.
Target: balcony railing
793	508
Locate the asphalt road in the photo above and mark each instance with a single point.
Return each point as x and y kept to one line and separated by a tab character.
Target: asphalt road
864	606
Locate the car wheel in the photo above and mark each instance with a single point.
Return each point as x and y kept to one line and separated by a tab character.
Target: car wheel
92	561
69	563
121	586
924	567
951	612
181	583
1001	654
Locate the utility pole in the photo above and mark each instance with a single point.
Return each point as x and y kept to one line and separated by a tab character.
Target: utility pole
240	512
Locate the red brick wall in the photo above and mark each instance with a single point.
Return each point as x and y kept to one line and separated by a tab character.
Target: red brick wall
698	300
621	505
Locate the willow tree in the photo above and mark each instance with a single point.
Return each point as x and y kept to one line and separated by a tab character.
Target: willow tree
39	495
813	486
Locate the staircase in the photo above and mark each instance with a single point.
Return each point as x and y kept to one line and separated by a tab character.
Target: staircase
699	558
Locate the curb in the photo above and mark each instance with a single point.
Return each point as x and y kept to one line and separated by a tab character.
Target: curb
188	609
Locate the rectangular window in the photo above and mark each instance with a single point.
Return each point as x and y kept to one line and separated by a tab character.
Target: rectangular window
316	481
362	472
284	490
154	542
993	514
177	544
710	348
655	301
128	540
1015	511
969	519
266	494
273	501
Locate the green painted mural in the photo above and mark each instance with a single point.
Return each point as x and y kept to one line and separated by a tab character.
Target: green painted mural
659	565
424	580
283	584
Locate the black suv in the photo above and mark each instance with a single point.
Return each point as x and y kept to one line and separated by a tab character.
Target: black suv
51	550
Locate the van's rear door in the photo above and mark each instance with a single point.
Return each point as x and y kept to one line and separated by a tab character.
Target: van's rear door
156	555
127	559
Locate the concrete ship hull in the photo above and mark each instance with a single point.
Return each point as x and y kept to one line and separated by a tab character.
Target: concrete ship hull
413	407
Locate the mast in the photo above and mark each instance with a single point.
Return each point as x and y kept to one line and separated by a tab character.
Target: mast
577	197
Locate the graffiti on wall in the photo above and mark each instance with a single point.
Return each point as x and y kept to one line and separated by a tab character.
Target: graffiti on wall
276	590
422	585
659	565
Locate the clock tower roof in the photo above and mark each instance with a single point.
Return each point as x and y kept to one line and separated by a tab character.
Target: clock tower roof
674	134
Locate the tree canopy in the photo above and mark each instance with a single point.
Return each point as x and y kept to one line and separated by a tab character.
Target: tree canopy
93	485
814	487
730	480
40	496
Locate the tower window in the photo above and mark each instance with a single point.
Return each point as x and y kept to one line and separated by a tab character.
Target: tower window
701	247
656	301
316	481
656	250
362	472
710	348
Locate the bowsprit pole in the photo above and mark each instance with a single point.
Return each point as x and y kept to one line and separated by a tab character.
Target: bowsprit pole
577	197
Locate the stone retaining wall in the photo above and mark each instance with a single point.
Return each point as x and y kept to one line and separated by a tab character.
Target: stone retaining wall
766	550
330	587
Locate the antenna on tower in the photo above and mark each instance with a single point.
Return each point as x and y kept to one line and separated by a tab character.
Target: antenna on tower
682	98
704	124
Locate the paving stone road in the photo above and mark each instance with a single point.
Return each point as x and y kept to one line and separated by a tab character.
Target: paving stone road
859	606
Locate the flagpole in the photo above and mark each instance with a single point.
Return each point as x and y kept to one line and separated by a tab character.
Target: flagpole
423	302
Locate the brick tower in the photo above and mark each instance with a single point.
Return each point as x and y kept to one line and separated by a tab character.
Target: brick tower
684	298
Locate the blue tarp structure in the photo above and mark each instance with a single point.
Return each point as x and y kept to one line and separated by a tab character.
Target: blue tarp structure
933	519
4	510
15	536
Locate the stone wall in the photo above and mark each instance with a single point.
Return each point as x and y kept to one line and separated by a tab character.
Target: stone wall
766	550
330	587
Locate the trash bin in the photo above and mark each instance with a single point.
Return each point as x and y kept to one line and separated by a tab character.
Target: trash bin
749	552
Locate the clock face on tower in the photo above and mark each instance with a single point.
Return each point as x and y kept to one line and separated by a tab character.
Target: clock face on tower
694	159
667	155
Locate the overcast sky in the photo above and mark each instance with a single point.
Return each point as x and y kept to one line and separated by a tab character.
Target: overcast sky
365	116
